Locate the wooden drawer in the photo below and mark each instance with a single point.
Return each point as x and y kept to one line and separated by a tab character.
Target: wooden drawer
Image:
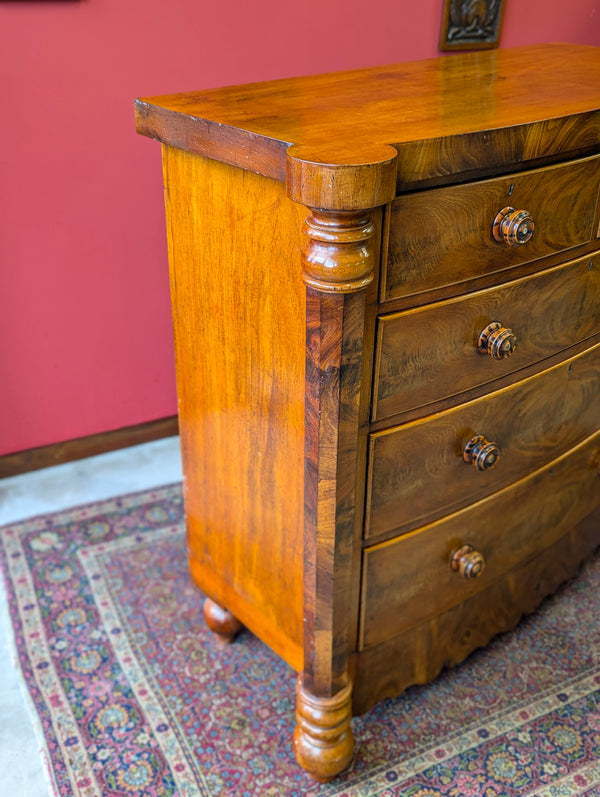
408	580
444	236
420	652
417	472
431	353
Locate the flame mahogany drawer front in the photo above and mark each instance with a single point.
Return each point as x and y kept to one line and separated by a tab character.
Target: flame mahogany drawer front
455	234
386	302
424	469
407	581
444	349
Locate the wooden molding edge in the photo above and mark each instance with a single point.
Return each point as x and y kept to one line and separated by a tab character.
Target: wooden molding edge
82	447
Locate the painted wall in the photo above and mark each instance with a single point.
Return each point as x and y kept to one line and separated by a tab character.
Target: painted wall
85	332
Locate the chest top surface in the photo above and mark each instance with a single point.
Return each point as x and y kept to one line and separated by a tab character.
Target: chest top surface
504	102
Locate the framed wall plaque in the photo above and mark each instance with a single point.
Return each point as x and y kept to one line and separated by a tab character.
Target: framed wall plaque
471	24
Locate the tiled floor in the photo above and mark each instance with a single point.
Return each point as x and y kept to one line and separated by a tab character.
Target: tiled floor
49	490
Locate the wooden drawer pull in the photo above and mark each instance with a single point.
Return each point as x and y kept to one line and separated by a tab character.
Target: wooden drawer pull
514	227
497	341
468	562
481	453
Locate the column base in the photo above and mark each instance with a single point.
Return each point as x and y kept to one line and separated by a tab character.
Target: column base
323	739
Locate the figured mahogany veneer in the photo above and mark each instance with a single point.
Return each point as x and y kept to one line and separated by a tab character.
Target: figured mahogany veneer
398	574
425	355
385	289
417	471
442	237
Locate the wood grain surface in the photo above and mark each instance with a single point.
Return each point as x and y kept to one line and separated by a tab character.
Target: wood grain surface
430	111
417	472
239	318
430	353
446	639
444	236
342	176
340	255
408	580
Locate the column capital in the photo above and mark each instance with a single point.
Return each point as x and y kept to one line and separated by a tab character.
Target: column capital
332	177
338	251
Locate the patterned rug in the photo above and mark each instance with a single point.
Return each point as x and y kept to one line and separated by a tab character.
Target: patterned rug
135	696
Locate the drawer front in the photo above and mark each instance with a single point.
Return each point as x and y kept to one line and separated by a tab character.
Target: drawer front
417	472
445	236
409	580
419	653
432	353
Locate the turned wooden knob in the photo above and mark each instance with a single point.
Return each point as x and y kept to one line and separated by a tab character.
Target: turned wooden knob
482	454
514	227
468	562
497	341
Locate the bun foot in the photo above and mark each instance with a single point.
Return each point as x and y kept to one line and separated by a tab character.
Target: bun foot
221	621
323	739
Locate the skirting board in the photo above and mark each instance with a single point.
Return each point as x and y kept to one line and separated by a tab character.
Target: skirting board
81	447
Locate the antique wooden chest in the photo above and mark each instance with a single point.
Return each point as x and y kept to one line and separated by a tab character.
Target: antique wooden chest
386	301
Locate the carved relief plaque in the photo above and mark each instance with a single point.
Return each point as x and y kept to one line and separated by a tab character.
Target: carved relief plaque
471	24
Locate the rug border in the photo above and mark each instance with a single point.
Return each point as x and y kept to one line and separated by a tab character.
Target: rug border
32	712
50	519
92	559
85	505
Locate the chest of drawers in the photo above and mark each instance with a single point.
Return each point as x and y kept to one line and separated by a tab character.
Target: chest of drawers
386	302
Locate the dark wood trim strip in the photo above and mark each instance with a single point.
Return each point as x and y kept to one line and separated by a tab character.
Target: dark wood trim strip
81	447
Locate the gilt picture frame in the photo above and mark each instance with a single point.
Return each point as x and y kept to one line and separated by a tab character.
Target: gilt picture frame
471	24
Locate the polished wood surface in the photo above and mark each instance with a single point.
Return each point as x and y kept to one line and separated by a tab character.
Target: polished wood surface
234	274
425	109
340	255
446	236
410	579
365	178
385	295
335	310
323	738
431	353
444	640
221	621
417	471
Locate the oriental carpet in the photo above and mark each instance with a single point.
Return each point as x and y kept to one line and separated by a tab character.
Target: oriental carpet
134	696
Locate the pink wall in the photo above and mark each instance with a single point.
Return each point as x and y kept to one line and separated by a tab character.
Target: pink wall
85	333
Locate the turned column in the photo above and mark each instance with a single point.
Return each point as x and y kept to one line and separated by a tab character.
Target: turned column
339	262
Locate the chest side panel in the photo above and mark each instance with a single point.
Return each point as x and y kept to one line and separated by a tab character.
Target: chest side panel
239	319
